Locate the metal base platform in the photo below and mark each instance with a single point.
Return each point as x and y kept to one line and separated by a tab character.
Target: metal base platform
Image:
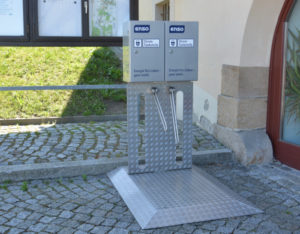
177	197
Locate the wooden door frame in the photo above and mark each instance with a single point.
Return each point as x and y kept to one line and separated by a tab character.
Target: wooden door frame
284	152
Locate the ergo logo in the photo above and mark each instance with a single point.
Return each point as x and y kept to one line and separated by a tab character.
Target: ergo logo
141	28
177	29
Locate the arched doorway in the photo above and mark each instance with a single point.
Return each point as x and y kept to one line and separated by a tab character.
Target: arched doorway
283	122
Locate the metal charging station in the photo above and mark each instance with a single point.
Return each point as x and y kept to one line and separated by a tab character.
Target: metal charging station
160	59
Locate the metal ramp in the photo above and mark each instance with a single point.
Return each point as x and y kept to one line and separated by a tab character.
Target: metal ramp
176	197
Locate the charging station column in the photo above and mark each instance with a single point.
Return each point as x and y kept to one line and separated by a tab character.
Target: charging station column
160	59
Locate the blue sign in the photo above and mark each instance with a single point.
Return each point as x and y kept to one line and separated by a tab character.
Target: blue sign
141	28
177	29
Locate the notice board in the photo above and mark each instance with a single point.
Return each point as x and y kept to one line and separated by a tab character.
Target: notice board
11	18
60	18
106	18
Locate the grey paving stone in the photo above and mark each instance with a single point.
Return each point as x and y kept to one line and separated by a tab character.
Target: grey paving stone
109	222
96	220
53	228
99	139
3	220
70	223
59	221
293	224
295	210
81	217
53	212
14	222
37	227
121	224
272	188
199	232
83	210
80	232
26	224
86	227
240	232
15	231
119	231
69	206
3	229
9	215
66	214
67	231
11	200
134	227
23	214
209	227
6	207
225	229
101	229
290	203
46	219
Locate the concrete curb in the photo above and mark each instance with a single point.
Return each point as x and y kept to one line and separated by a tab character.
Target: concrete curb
212	156
91	167
62	120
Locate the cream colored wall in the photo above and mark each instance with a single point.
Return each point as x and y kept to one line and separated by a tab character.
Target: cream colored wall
232	32
220	41
146	10
258	35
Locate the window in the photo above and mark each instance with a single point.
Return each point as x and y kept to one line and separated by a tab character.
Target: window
65	22
166	11
163	11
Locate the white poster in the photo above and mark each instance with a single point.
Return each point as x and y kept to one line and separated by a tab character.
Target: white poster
107	17
60	18
11	18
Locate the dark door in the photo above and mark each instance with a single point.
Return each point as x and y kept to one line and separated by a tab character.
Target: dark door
284	88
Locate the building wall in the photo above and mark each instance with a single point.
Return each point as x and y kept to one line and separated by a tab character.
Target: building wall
259	32
232	32
231	94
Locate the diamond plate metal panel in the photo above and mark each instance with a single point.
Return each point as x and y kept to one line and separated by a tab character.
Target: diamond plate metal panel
176	197
160	147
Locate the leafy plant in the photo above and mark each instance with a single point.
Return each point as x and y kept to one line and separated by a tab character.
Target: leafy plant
24	186
5	184
3	187
292	89
59	181
84	177
46	182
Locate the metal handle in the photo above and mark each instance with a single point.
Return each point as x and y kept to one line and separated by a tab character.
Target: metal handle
173	110
86	7
159	109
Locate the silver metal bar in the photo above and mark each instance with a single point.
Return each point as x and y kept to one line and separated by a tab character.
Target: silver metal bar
86	7
159	109
173	110
63	87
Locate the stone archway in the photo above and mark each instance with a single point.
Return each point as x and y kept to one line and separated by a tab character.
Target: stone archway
242	105
259	33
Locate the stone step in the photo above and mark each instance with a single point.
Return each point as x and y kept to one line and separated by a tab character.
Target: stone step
92	167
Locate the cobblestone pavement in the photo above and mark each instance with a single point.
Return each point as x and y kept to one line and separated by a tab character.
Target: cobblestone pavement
70	142
92	205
